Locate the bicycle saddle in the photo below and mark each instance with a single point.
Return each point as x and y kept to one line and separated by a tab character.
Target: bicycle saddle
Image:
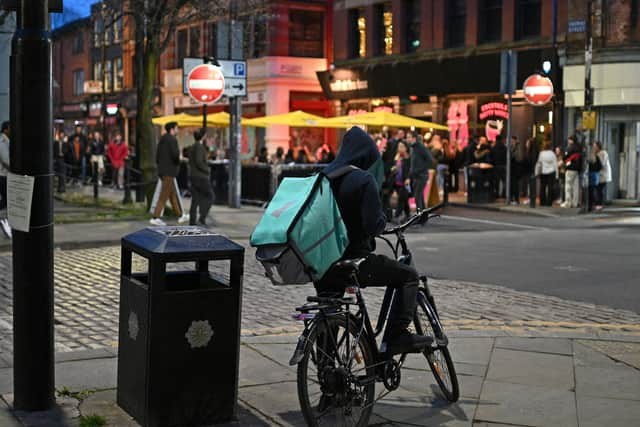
349	265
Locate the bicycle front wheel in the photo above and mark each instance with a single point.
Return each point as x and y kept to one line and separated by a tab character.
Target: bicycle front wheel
438	357
336	376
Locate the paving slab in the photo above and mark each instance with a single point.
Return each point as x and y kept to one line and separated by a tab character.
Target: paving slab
256	369
526	405
584	355
598	412
95	374
6	418
278	353
423	383
621	382
471	350
537	345
277	402
625	352
417	411
104	403
521	367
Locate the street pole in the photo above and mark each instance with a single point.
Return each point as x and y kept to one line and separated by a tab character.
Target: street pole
31	154
508	179
588	100
235	144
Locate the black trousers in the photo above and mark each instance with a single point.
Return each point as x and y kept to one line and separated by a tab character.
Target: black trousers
201	199
546	189
61	172
403	201
380	270
3	192
418	185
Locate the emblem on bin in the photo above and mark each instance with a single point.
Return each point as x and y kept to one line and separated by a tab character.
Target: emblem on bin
199	333
134	326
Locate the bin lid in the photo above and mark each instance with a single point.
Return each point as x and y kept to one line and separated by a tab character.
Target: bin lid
178	240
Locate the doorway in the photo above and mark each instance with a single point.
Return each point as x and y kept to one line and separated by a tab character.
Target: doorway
623	150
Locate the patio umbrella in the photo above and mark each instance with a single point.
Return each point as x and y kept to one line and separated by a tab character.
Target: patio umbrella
180	118
293	119
383	118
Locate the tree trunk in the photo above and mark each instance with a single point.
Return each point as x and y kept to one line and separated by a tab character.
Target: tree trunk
144	128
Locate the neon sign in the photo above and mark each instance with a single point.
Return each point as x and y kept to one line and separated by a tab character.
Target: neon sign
494	109
458	122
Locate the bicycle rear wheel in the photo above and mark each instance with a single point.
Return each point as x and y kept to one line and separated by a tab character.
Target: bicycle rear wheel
438	357
333	388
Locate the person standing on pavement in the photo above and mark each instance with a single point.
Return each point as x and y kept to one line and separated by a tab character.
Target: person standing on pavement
96	151
547	169
59	155
573	164
517	167
604	176
201	192
117	152
531	157
81	157
421	163
499	160
168	160
5	132
398	176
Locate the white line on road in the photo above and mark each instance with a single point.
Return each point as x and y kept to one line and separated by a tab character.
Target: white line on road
488	221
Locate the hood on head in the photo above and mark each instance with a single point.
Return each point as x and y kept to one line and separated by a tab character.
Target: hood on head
358	149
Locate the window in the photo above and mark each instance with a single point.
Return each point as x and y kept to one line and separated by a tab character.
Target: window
107	77
255	36
412	26
106	36
119	74
182	43
357	34
212	39
306	33
194	41
97	31
78	82
489	21
456	22
117	30
384	27
78	43
527	19
97	71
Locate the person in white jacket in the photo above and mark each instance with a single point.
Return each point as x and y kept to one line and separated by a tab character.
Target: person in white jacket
5	131
604	176
547	168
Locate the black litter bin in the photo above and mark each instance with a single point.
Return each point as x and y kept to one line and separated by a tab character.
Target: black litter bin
481	185
179	337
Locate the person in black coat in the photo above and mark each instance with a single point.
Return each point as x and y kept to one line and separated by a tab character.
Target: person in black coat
59	154
201	191
399	173
357	196
499	160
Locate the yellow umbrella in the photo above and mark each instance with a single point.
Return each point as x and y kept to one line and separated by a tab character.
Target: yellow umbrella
178	118
383	118
220	119
294	119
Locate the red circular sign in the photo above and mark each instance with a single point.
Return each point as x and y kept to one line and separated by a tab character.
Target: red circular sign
538	89
205	83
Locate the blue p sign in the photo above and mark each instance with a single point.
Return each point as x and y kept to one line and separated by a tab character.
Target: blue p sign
238	70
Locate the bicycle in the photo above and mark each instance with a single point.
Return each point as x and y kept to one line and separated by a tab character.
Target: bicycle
338	359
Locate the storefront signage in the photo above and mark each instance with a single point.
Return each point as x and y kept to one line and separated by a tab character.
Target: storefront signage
95	109
74	108
494	109
356	112
458	122
383	108
348	85
93	86
538	90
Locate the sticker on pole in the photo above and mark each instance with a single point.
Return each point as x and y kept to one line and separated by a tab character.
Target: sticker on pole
205	84
538	89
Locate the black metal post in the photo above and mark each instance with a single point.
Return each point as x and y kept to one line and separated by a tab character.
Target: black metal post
204	116
32	154
127	182
588	102
94	176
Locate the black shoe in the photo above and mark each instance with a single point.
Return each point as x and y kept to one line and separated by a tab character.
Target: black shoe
406	342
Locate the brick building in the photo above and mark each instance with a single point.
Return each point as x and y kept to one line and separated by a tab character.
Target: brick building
615	79
440	60
71	67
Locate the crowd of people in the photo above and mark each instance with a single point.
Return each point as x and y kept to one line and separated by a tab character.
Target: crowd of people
82	157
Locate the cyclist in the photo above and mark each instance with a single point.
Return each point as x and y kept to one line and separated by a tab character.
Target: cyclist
358	199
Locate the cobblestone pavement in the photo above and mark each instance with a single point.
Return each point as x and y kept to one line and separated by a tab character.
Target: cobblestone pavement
87	292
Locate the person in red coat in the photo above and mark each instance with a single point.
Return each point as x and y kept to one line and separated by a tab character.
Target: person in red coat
117	152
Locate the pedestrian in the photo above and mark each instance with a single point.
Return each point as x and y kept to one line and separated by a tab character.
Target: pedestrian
201	191
59	155
559	191
421	163
398	176
168	160
76	155
531	157
595	166
454	160
262	157
278	157
79	139
517	168
547	170
573	164
96	151
117	153
605	176
290	157
324	154
468	160
441	162
499	161
482	153
5	133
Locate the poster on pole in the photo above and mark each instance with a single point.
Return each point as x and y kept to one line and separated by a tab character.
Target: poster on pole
19	199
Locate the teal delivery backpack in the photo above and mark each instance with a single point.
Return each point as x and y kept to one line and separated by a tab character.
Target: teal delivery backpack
301	234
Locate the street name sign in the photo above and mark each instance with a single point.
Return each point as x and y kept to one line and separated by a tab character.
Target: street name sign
538	90
205	84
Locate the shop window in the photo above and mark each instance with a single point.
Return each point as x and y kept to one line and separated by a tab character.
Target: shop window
384	29
412	26
456	22
78	82
119	74
78	43
306	33
108	72
182	43
528	19
489	21
357	34
194	42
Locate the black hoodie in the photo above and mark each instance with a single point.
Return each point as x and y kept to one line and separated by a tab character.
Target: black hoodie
357	192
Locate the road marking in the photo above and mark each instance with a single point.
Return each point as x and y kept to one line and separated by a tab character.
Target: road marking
570	268
488	221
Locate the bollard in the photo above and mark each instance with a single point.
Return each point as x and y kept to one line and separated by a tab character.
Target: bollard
127	182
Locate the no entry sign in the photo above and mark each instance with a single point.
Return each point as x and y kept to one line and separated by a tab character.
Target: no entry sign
205	83
538	89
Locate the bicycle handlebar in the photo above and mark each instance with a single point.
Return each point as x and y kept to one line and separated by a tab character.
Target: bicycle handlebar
417	217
